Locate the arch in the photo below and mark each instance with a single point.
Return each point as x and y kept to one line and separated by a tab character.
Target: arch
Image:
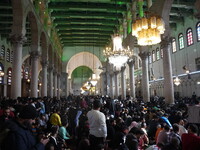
50	52
18	18
43	44
34	29
84	59
163	8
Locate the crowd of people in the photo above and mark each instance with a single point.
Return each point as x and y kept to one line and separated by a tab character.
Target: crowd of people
96	123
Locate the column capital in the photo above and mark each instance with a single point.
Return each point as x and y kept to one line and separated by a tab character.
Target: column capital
166	41
143	55
35	54
18	38
44	63
131	62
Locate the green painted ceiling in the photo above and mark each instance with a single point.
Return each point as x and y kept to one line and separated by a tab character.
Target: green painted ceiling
87	22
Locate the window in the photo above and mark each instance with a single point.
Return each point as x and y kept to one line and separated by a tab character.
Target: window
2	51
11	57
181	41
161	53
9	73
174	45
157	54
198	31
8	55
189	37
150	59
153	56
1	70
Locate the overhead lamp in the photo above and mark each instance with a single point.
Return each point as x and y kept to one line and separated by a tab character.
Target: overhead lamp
117	56
148	30
177	81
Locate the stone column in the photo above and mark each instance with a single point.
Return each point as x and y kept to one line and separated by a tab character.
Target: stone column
50	69
5	78
134	10
111	86
44	64
66	86
58	83
17	42
103	83
132	78
123	82
125	27
116	75
34	73
145	77
55	83
167	70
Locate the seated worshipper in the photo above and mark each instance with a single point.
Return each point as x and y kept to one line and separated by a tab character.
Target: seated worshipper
190	140
163	136
133	137
20	136
5	116
63	131
55	118
120	137
53	142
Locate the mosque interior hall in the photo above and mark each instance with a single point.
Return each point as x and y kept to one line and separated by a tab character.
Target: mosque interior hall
115	48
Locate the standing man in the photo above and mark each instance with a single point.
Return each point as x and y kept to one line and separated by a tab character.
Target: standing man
97	126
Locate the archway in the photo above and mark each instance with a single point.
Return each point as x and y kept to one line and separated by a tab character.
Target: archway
79	76
84	59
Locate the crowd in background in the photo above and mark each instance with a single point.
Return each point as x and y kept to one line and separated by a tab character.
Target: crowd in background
52	124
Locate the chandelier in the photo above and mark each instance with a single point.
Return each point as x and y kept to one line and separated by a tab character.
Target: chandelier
148	30
117	56
177	81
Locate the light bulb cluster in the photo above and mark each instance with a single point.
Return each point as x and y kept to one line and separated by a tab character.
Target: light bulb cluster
177	81
117	56
148	30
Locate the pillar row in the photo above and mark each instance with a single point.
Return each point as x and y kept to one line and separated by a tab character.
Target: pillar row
44	64
145	77
34	72
123	82
17	41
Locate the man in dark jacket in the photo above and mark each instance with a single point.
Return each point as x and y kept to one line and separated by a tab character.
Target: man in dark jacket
19	136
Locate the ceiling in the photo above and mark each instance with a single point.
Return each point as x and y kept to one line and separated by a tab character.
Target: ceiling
88	22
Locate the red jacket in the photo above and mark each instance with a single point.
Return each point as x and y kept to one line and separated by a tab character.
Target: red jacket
190	141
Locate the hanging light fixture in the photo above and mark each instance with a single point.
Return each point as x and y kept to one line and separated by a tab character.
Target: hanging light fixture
117	56
177	81
148	30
